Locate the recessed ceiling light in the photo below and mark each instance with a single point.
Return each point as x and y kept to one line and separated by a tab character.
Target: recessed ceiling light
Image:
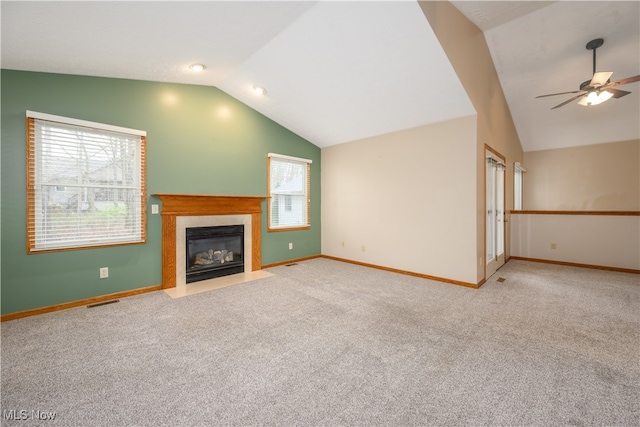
259	90
197	67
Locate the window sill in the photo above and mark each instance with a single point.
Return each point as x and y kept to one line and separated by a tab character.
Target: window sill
276	230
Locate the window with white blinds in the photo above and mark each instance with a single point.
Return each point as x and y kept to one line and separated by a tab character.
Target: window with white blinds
85	184
289	192
518	172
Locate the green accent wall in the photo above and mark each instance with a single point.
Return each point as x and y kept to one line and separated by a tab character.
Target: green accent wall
199	141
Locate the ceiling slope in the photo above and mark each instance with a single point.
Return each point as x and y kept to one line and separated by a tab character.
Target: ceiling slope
349	70
334	71
542	50
146	40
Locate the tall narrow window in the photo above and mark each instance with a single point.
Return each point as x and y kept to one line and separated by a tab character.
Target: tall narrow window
518	172
85	184
289	192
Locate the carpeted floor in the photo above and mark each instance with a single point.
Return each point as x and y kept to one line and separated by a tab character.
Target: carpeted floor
325	343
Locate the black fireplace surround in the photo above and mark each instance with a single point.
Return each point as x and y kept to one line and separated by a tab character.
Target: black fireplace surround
214	252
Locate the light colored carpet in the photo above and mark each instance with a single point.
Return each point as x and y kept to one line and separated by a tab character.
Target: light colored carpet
328	343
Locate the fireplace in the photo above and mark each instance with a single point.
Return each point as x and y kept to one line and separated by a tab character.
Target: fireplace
214	252
182	211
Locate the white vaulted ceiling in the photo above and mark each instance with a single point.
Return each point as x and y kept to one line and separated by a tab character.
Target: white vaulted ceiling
349	70
334	71
340	71
540	48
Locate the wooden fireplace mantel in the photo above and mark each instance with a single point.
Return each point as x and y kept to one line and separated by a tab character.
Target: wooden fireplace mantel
175	205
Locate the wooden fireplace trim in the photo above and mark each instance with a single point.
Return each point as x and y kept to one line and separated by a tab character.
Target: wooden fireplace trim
175	205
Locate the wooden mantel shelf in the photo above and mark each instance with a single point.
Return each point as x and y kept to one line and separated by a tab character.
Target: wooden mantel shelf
202	204
175	205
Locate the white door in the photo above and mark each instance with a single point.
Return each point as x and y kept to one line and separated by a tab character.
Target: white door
494	233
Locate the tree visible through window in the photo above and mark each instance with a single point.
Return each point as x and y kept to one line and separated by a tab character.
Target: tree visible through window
86	184
289	188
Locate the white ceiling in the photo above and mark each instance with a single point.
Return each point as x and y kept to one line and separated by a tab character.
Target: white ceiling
341	71
544	51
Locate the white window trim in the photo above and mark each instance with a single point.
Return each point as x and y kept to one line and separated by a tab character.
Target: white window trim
295	159
84	123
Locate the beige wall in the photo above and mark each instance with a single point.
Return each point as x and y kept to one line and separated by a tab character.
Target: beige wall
407	198
595	177
415	199
469	54
596	240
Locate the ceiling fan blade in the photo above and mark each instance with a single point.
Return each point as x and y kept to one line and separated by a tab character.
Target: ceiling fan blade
569	100
600	78
625	81
617	93
561	93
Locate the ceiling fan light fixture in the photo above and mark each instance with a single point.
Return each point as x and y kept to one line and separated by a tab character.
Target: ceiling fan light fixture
605	95
600	88
595	98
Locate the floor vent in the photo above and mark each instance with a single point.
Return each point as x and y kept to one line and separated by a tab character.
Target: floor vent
501	279
98	304
291	265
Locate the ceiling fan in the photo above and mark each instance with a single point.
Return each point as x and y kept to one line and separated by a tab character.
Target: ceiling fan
599	88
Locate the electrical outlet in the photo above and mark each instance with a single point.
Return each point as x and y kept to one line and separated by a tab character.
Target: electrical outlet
343	243
290	246
104	272
155	209
553	246
364	248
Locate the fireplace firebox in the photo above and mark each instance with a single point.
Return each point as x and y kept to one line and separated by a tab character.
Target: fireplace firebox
214	252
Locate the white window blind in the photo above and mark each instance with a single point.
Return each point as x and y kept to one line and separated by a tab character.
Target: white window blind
86	184
289	188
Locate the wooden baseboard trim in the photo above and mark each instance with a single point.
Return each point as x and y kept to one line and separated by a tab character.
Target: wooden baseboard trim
124	294
78	303
603	213
575	264
291	261
408	273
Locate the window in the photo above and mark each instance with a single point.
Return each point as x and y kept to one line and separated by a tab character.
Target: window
518	171
289	189
85	184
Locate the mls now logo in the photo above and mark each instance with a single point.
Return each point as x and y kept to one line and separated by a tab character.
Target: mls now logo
15	414
23	415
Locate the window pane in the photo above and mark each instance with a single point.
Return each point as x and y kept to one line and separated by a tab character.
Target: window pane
281	215
288	186
87	186
517	189
499	203
83	216
490	211
288	177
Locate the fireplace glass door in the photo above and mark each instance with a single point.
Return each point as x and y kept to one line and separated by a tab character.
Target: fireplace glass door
214	252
